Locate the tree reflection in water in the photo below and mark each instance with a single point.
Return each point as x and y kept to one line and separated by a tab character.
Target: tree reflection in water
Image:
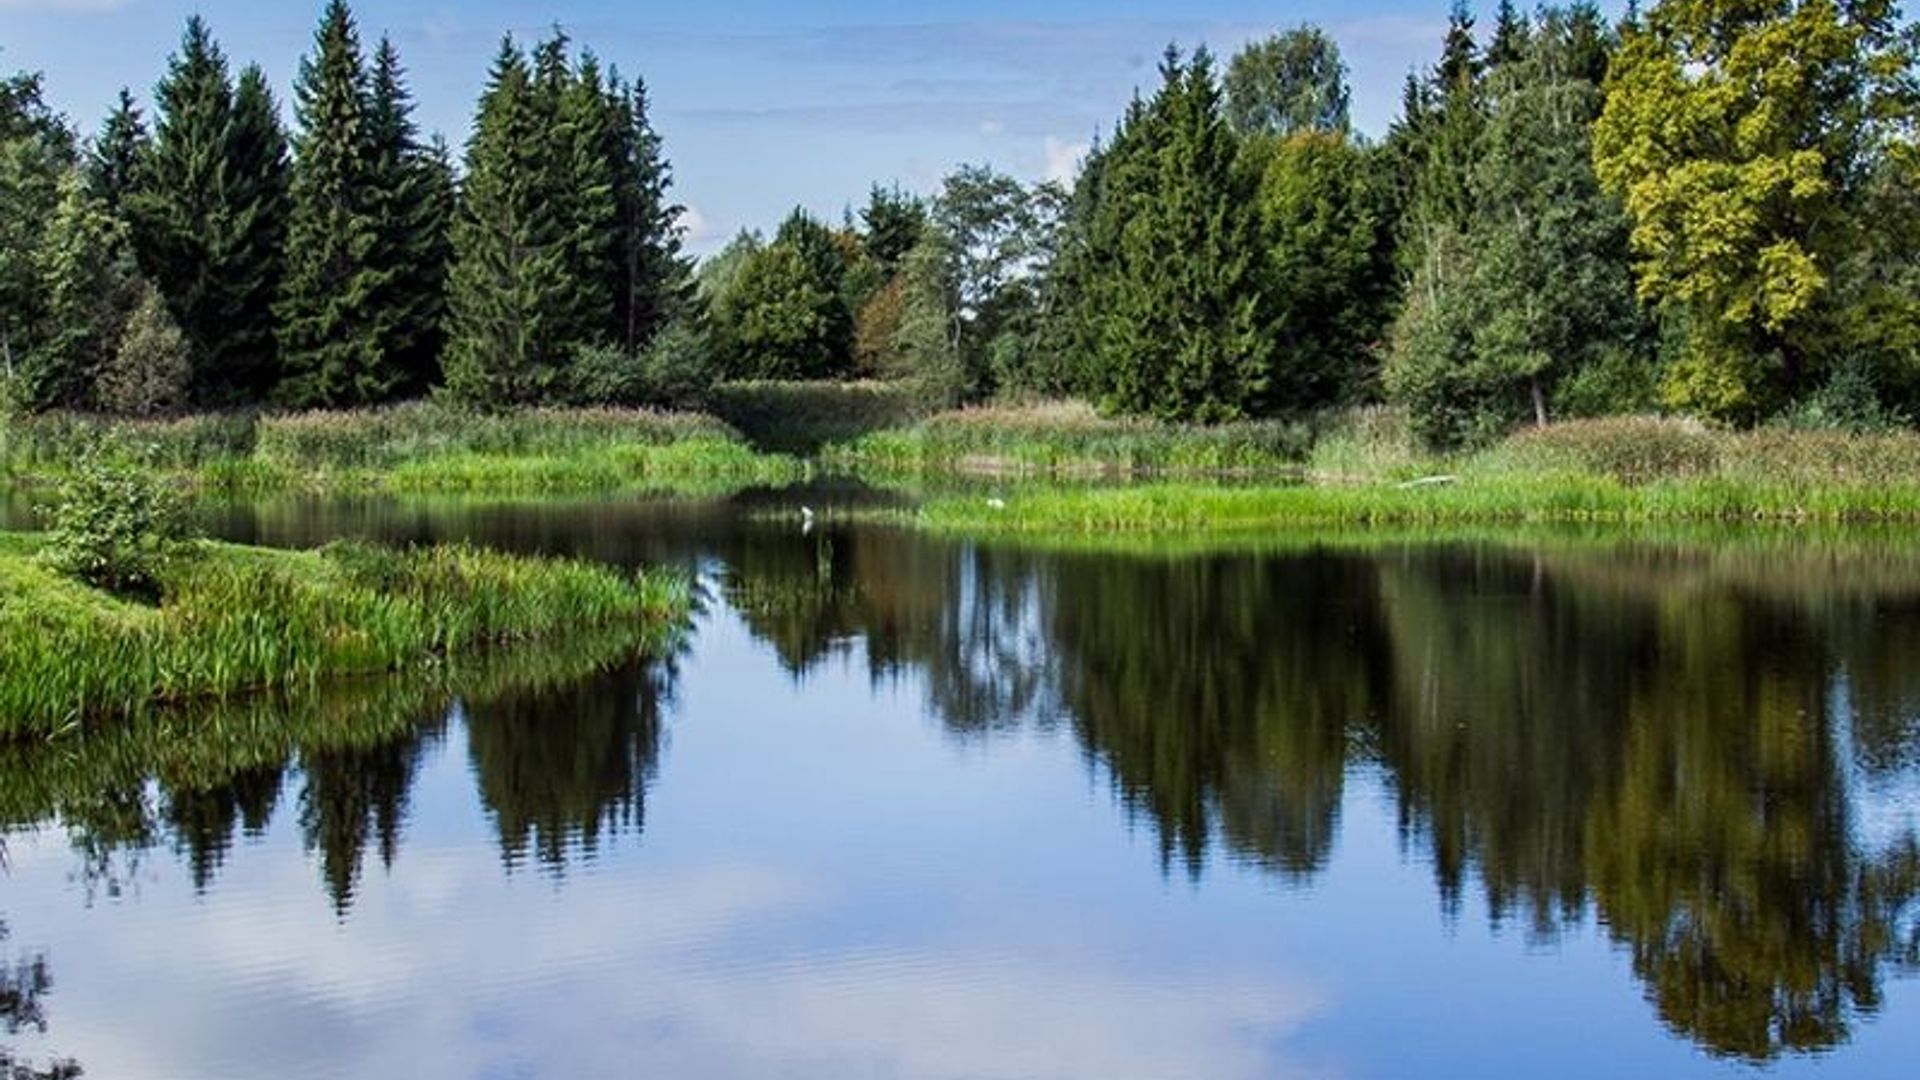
1669	742
1662	739
24	984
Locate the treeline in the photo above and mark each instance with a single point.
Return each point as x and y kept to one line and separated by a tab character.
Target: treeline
1706	208
217	259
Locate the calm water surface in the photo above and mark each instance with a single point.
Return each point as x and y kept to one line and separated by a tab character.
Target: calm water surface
909	808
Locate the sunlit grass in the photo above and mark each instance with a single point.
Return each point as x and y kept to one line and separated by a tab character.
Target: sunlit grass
235	620
412	449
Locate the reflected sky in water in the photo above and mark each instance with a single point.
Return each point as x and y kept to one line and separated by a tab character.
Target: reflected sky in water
905	808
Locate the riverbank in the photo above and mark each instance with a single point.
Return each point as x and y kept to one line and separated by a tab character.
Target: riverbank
235	620
1070	439
416	449
1367	475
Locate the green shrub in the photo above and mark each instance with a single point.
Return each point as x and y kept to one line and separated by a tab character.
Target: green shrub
116	528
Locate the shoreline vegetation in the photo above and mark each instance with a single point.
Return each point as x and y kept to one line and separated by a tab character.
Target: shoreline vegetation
415	449
1366	469
232	621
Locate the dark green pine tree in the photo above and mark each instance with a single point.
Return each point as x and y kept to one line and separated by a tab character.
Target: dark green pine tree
1509	37
182	214
255	255
1185	332
508	282
117	161
334	329
580	145
655	280
893	222
415	191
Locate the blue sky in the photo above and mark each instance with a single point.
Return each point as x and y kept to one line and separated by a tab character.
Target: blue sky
765	104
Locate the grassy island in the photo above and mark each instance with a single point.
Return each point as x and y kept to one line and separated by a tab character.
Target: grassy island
234	620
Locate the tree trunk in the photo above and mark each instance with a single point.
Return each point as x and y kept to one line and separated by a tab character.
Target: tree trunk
1539	403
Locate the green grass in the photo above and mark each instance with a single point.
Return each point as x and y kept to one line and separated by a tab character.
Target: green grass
412	449
234	620
1366	473
1070	439
1542	499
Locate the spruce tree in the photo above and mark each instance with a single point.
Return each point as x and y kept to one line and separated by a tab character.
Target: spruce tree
414	188
1178	294
582	148
258	176
508	275
116	165
182	215
655	280
1509	37
334	328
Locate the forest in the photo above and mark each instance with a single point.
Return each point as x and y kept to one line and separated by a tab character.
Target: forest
1703	209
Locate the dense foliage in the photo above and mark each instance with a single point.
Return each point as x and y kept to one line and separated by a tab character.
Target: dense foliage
1706	208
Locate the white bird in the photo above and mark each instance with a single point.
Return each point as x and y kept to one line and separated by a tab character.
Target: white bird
806	513
996	504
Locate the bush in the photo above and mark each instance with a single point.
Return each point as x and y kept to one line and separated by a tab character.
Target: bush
148	374
115	527
1850	401
676	371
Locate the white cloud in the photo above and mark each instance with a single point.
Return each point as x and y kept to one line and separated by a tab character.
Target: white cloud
698	226
1064	158
446	973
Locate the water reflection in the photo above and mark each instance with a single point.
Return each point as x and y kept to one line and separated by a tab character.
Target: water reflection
1668	743
1685	748
562	745
25	982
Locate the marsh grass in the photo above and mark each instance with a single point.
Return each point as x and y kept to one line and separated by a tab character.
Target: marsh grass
420	448
1071	439
243	620
1473	498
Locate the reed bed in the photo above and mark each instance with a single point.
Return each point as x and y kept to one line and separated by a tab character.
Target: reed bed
235	621
1069	438
415	448
1469	499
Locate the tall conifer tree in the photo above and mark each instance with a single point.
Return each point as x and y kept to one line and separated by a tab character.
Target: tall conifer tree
118	160
1176	276
415	191
258	174
508	280
334	326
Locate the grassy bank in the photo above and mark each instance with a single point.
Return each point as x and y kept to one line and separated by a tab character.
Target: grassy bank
1071	439
235	620
410	449
1614	471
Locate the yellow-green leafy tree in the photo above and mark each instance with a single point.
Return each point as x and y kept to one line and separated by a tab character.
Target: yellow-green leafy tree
1740	135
